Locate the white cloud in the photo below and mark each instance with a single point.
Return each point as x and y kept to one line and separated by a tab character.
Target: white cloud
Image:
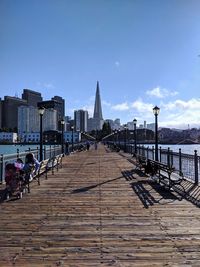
192	104
160	92
141	106
121	107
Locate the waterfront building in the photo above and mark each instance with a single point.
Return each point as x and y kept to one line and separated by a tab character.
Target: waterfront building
0	113
60	108
30	137
8	137
68	137
81	120
31	97
28	120
10	111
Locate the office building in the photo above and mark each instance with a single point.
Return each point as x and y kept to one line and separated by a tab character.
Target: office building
28	120
10	111
31	97
81	120
60	108
97	122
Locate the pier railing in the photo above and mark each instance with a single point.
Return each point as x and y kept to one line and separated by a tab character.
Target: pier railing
188	164
48	152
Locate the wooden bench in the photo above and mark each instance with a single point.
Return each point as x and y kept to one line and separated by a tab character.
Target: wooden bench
58	161
141	161
166	175
45	166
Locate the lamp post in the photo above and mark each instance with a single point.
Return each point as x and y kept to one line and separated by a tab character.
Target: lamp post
72	128
115	131
118	137
41	112
125	132
156	111
135	135
62	137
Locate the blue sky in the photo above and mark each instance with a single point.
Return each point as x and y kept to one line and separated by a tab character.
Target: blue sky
142	52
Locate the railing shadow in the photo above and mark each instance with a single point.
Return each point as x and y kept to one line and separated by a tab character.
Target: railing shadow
147	198
87	188
128	175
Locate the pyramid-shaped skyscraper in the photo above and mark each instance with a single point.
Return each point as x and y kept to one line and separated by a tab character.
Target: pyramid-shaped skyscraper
97	106
97	120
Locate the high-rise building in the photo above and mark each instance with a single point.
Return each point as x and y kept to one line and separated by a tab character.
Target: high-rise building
60	107
81	120
31	97
28	120
0	113
97	117
10	111
97	106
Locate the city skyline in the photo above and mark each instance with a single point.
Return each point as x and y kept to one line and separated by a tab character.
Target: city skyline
143	53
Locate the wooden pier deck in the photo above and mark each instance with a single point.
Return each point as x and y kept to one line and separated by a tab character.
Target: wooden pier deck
97	211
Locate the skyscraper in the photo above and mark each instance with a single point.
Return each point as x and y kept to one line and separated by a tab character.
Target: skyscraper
31	97
10	111
97	106
81	120
60	107
97	121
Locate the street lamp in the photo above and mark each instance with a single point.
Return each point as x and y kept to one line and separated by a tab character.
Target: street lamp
41	112
125	133
118	137
62	137
156	111
115	139
72	128
135	135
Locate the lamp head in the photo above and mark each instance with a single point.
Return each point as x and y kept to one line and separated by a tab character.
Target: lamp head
41	110
134	121
156	110
62	122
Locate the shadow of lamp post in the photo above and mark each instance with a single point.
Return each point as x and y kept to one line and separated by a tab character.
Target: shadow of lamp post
135	135
72	128
41	112
62	136
156	111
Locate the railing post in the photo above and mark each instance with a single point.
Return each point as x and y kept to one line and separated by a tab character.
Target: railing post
44	152
171	157
160	151
1	168
196	167
148	152
180	161
153	153
168	157
17	153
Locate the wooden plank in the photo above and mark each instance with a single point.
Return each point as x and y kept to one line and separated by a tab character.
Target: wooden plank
97	211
